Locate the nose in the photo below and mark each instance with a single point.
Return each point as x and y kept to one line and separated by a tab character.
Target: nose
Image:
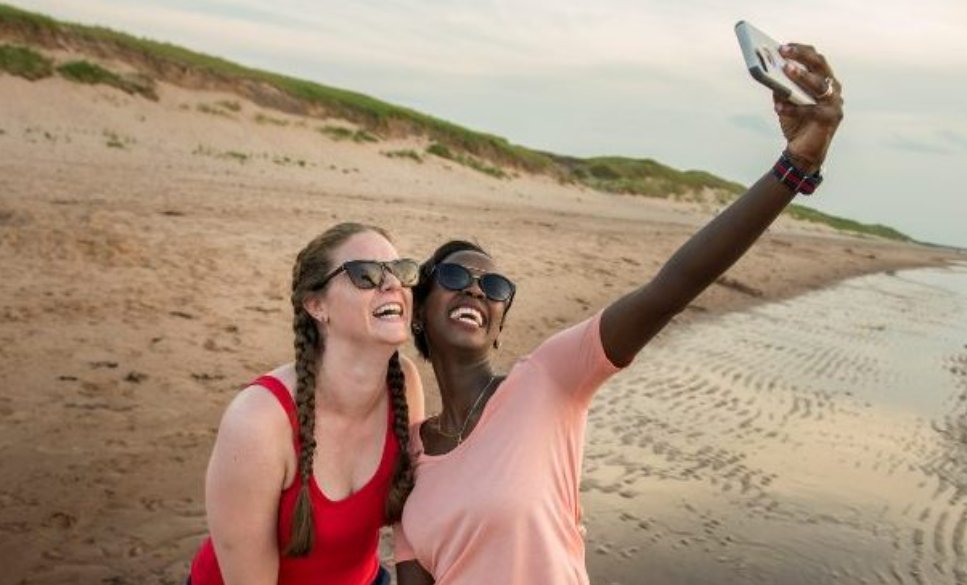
390	281
473	289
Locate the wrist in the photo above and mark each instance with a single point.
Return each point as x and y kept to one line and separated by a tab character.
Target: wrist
796	178
805	164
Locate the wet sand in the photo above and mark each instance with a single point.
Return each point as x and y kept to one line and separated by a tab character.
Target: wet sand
146	249
820	440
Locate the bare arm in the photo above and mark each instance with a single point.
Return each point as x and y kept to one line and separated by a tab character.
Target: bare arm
412	573
414	390
245	477
633	320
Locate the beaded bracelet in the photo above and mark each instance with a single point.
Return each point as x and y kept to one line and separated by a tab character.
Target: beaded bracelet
790	176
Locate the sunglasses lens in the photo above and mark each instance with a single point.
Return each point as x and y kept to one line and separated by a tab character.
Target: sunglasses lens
496	287
456	277
453	276
365	274
405	270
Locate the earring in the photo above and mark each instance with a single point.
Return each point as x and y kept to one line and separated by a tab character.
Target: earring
497	344
417	328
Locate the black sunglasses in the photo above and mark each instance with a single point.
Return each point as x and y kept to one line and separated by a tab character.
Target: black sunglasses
367	274
455	277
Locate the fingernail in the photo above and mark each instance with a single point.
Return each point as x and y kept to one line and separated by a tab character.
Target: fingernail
784	49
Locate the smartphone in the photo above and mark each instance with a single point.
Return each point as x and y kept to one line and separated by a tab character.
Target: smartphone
765	63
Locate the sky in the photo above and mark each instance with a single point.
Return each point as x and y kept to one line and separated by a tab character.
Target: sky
640	78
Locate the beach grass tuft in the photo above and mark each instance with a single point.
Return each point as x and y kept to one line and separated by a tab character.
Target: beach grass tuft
24	62
442	151
94	74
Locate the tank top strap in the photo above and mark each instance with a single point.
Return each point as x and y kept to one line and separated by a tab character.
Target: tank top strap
281	393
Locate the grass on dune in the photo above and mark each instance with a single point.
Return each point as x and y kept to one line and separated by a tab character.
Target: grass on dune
94	74
484	152
25	62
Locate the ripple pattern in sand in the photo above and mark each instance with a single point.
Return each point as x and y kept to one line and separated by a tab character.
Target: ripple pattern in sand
820	440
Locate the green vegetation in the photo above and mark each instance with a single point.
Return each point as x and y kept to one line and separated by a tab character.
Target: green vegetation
114	140
374	115
213	109
261	118
404	153
230	105
94	74
239	157
442	151
485	152
808	214
342	133
645	177
24	62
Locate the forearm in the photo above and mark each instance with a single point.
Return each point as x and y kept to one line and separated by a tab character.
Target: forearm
717	246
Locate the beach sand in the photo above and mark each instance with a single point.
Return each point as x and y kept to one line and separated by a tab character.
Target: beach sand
146	250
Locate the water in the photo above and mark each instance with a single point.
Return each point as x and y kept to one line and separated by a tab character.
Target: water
818	440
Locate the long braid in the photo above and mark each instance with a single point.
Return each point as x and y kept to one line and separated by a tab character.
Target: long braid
312	265
306	343
403	473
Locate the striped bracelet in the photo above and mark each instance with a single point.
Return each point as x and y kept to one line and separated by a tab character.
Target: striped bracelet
787	174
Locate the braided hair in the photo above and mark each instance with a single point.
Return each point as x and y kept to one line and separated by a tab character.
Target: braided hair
312	264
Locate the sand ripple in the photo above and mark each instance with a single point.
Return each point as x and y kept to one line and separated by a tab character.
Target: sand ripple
820	440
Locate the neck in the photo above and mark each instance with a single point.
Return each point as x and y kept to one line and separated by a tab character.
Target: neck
461	382
352	377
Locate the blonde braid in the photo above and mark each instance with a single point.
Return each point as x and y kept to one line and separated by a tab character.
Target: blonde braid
312	265
403	473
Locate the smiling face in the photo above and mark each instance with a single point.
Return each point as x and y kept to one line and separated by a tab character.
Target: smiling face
462	320
380	314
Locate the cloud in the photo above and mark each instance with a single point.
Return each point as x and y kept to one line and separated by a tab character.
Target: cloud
955	138
916	146
756	124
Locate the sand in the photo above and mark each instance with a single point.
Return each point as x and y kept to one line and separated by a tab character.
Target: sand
146	249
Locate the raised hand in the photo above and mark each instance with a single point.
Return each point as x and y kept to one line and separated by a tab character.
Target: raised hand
809	129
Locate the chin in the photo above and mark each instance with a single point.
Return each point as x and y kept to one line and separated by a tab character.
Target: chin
393	335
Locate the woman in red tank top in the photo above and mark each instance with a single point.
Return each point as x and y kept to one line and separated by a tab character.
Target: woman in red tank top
310	460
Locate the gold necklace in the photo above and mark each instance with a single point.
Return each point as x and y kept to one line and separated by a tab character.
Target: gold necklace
466	421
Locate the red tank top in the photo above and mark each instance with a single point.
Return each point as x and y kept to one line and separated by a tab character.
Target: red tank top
346	531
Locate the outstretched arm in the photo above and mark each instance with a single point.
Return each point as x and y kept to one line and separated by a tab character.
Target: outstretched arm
631	321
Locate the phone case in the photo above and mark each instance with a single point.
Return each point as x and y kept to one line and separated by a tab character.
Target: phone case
765	64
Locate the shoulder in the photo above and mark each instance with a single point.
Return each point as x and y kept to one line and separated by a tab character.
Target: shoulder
414	389
255	416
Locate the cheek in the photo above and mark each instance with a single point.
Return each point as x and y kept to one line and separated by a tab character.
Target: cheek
350	302
434	308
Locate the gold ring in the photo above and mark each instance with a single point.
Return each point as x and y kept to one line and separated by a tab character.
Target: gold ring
829	89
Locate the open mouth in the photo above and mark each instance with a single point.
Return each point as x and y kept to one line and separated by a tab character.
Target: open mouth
468	315
389	311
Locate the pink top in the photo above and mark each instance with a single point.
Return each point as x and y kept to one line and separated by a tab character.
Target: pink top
503	506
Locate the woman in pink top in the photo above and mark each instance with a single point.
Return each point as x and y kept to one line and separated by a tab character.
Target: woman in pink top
497	471
310	460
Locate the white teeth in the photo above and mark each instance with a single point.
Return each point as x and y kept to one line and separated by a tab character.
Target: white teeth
388	310
468	315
